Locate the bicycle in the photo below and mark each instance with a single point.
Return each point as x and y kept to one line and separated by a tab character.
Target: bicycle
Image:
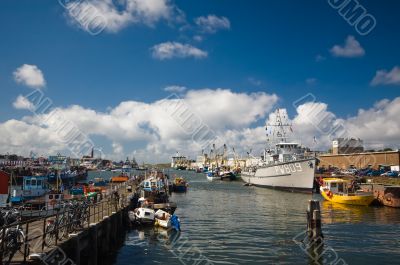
11	238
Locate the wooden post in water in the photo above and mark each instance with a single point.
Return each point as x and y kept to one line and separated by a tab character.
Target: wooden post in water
317	231
314	225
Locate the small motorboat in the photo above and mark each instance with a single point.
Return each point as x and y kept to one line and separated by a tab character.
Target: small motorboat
143	216
179	185
227	175
211	176
162	219
343	191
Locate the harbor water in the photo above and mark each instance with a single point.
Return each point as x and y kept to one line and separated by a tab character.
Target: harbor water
228	223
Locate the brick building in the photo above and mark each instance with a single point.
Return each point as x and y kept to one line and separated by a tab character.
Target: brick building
360	160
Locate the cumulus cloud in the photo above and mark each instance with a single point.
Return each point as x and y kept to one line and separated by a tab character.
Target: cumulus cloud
212	23
176	89
161	127
20	137
169	50
314	119
158	129
114	15
22	102
384	77
351	48
29	75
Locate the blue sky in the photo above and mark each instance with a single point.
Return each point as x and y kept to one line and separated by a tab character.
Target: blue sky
267	46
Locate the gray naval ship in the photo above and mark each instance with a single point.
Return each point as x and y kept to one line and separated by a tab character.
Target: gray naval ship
284	165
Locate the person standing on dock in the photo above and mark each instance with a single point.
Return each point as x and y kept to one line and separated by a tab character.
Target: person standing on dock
115	199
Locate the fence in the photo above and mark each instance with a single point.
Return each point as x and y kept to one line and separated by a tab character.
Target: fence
41	234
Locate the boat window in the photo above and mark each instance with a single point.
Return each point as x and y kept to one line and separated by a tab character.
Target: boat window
333	185
39	182
57	197
28	182
340	187
50	197
146	213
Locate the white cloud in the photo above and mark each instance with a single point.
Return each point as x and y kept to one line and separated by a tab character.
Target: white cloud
351	48
29	75
169	50
237	119
113	15
212	23
314	119
20	137
383	77
176	89
22	102
150	125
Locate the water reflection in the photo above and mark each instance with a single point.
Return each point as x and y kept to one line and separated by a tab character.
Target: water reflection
341	213
232	224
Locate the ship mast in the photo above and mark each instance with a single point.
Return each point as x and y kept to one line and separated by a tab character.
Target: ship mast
278	129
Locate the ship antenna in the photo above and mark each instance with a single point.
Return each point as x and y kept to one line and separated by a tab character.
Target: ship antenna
279	127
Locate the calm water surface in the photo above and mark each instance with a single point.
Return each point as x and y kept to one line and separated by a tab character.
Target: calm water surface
232	224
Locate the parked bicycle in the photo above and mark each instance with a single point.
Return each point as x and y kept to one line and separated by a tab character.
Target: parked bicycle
72	217
12	238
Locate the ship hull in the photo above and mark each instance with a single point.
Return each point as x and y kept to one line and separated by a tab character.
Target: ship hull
295	176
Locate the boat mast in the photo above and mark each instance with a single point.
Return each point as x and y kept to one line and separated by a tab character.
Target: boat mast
278	129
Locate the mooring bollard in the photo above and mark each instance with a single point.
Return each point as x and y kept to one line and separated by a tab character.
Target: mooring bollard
314	224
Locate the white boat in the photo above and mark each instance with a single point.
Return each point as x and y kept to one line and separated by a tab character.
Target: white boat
162	219
212	177
284	165
293	176
143	215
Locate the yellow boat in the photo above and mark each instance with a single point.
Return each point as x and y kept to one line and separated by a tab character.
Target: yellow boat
343	191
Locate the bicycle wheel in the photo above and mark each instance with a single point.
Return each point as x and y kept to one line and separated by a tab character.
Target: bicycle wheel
11	245
63	228
50	238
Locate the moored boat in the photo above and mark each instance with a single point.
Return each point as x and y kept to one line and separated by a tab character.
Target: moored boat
212	176
162	219
343	191
284	165
227	175
179	185
143	215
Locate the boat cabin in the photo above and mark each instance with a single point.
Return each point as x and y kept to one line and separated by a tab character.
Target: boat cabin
53	200
283	152
338	186
153	184
34	186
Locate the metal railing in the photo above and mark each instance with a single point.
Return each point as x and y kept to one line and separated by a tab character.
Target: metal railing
41	234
